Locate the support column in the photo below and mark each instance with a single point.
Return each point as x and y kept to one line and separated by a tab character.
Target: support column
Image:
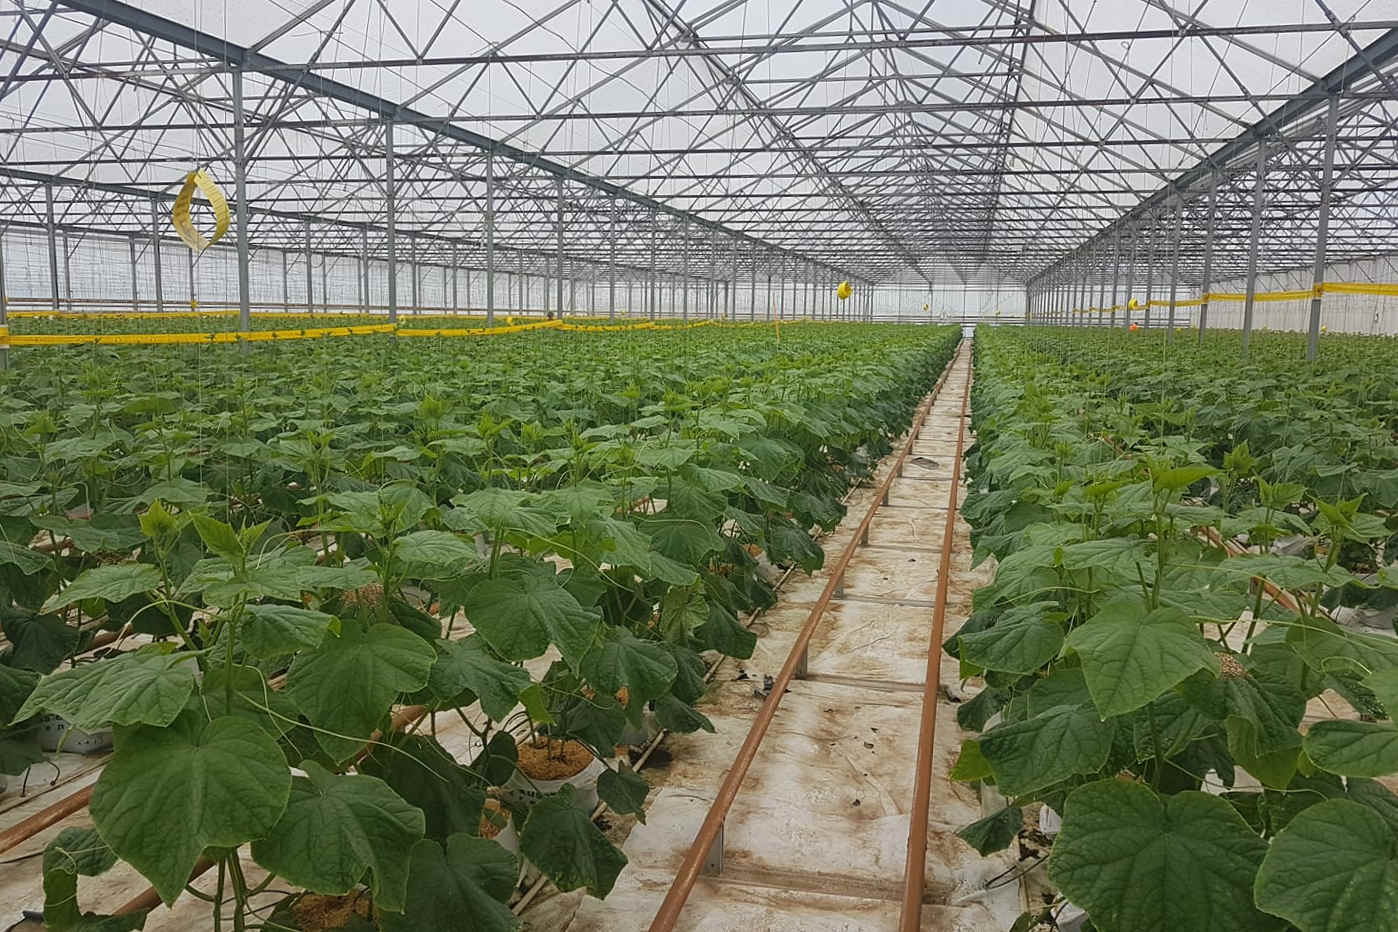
155	256
1174	269
1208	260
286	288
325	282
558	231
52	229
752	286
455	274
310	290
490	239
769	291
193	291
240	174
1130	280
412	270
1259	189
4	301
67	274
363	269
654	251
684	248
391	207
1116	278
1332	119
135	291
611	266
1150	276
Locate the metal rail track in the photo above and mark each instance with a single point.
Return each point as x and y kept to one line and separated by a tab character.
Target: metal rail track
701	851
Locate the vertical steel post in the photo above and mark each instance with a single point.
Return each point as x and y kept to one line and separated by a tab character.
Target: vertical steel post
1116	278
1259	190
363	266
1175	268
752	286
52	229
135	291
1208	259
1150	275
611	265
524	294
769	291
193	291
325	281
1130	280
155	256
310	281
67	274
5	302
240	174
490	239
390	223
1332	120
455	293
684	248
412	270
558	231
286	288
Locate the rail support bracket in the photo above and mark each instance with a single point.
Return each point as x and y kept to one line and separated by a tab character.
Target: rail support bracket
713	859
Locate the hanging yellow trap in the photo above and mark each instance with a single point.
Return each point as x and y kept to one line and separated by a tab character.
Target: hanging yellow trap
184	223
844	291
1133	304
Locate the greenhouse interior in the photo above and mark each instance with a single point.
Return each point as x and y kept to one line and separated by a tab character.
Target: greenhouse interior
610	465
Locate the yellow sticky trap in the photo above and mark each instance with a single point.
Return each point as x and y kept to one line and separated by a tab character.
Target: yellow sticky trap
844	291
184	223
1133	304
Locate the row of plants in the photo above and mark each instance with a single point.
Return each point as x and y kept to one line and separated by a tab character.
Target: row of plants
1218	759
223	322
541	536
1327	426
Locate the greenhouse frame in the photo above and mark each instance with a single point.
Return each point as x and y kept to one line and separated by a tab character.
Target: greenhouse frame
704	465
1068	161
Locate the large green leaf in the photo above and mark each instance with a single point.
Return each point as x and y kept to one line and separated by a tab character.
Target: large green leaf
645	668
468	665
463	888
1023	639
79	852
560	840
421	771
433	554
1354	749
112	583
347	684
147	686
1046	749
520	615
1131	655
274	630
27	561
40	642
1334	868
16	684
995	832
682	611
337	826
1138	862
169	793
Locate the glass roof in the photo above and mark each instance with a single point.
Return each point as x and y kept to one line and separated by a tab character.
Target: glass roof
922	141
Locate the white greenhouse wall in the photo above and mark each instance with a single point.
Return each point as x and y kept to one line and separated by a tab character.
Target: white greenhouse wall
1348	313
